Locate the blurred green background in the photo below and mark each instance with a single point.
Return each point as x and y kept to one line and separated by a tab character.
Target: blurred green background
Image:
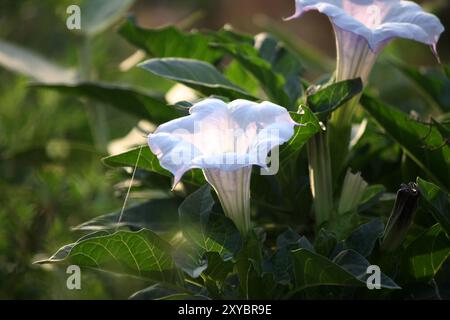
51	176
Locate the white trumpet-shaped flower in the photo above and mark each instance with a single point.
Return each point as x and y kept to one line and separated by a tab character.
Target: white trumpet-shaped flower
224	140
364	27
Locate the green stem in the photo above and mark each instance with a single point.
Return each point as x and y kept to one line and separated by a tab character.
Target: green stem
320	176
339	132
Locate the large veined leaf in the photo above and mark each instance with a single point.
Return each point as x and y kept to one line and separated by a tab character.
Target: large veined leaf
309	126
272	83
329	98
33	65
348	269
209	231
99	15
435	201
435	84
123	98
423	143
205	232
148	161
158	215
198	75
141	253
170	42
426	254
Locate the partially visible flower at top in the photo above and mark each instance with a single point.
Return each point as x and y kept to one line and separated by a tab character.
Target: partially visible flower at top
364	27
224	140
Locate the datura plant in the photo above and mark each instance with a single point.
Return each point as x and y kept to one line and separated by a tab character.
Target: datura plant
248	186
362	29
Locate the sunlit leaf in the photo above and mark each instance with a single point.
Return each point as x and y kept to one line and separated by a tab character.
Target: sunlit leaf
148	161
198	75
426	254
141	253
309	127
170	42
272	83
327	99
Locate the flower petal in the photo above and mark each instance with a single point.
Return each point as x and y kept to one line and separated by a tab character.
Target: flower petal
378	21
220	136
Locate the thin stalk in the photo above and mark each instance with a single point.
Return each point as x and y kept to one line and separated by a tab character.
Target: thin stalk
339	130
320	176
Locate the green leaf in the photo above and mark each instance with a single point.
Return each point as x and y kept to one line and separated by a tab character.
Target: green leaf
205	229
283	62
158	215
280	265
344	224
325	243
436	202
236	73
198	75
272	83
161	291
447	70
348	269
354	263
371	195
148	161
205	232
433	83
426	254
217	270
190	259
33	65
123	98
262	286
99	15
309	127
292	240
327	99
141	253
421	142
314	59
170	42
364	238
